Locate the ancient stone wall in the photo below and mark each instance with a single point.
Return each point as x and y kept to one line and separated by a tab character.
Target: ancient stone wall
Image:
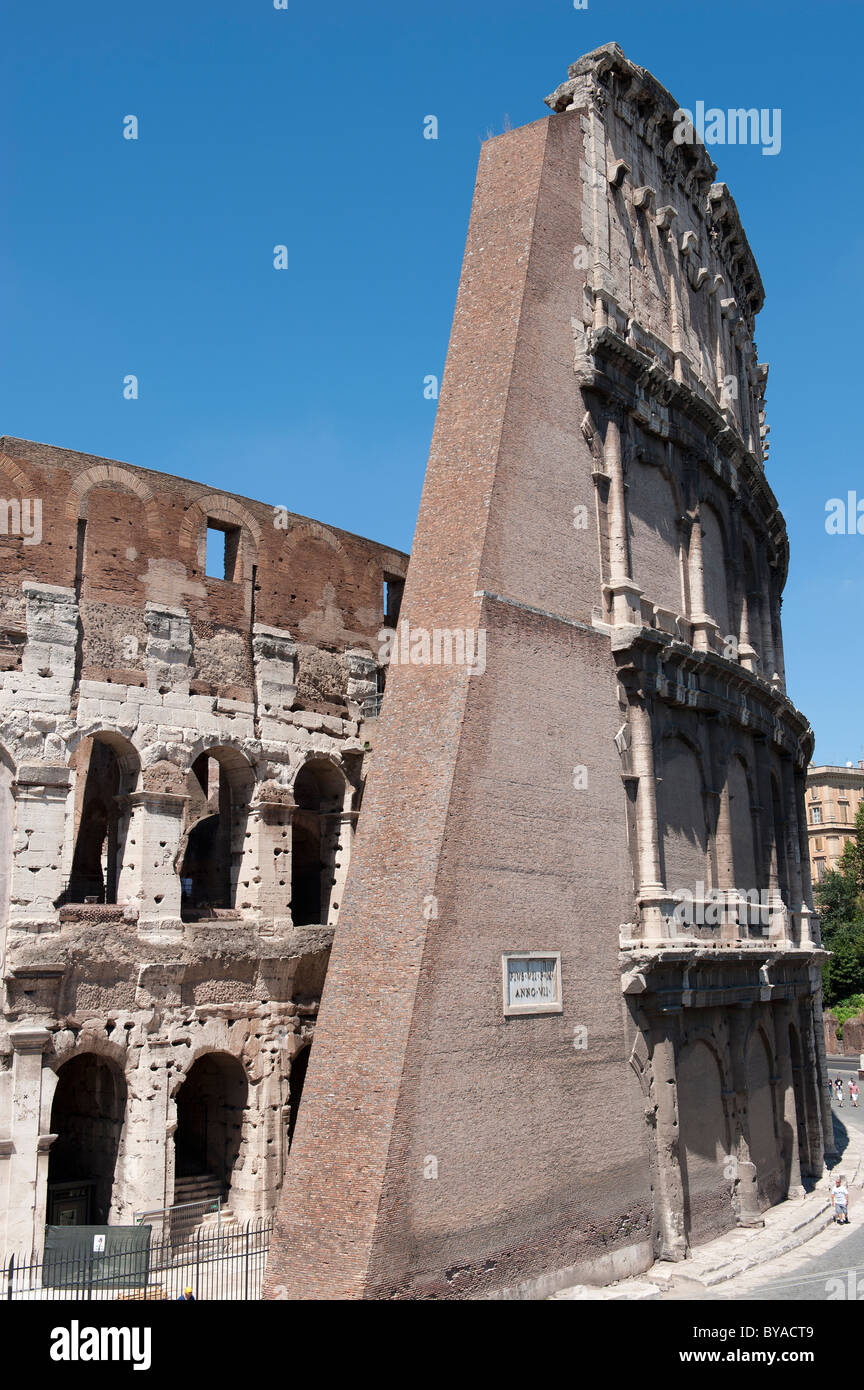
181	763
618	793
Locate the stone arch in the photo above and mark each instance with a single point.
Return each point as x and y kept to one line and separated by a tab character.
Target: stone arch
107	767
764	1141
316	609
215	845
88	1115
218	506
681	814
212	1099
704	1141
116	476
320	839
12	470
314	531
128	756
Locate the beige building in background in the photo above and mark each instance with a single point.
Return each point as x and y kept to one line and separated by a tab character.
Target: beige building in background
833	797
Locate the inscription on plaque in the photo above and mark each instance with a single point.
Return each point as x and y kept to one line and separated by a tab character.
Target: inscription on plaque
531	982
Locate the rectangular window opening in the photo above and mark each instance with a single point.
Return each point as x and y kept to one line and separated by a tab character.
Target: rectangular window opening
392	599
223	548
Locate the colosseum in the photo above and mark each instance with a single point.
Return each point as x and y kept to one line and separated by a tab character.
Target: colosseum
181	766
572	1020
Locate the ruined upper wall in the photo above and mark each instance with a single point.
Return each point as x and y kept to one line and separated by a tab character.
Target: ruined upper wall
124	537
670	268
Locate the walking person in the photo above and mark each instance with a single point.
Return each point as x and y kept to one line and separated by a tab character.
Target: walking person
853	1092
840	1201
838	1087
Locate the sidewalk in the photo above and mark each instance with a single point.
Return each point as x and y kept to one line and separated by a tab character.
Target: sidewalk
787	1226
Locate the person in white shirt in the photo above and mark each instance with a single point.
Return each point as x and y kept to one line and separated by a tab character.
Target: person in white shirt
840	1202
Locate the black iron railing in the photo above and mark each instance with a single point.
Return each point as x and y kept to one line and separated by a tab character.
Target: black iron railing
226	1263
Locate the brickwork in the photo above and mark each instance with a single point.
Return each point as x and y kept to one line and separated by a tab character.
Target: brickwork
154	725
596	504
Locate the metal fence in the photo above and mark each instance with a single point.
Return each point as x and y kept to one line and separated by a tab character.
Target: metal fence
179	1222
226	1263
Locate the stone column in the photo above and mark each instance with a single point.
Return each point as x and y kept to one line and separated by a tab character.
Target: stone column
768	657
782	1021
624	593
746	1189
729	928
793	847
670	1189
270	825
40	792
651	891
29	1156
813	1084
340	830
145	1185
818	1031
150	875
810	934
779	659
747	654
704	627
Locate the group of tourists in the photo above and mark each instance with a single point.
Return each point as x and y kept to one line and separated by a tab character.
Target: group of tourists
835	1091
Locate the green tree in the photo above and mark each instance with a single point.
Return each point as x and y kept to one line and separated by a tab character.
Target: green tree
840	900
837	901
852	858
843	974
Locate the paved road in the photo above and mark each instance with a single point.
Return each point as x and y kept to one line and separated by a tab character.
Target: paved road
829	1267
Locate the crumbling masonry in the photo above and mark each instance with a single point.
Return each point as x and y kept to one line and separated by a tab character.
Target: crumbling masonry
181	765
596	502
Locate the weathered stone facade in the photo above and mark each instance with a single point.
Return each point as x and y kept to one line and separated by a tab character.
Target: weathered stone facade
596	503
181	764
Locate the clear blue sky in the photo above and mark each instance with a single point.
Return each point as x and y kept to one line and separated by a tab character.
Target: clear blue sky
304	127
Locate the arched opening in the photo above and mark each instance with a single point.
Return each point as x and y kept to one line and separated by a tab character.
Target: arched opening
296	1082
221	783
655	546
779	841
106	767
87	1116
211	1105
764	1142
317	842
704	1144
681	812
714	568
747	875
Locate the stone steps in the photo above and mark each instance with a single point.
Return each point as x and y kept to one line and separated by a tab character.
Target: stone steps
203	1187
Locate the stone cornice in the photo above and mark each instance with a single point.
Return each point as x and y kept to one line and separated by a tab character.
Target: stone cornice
762	709
650	393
